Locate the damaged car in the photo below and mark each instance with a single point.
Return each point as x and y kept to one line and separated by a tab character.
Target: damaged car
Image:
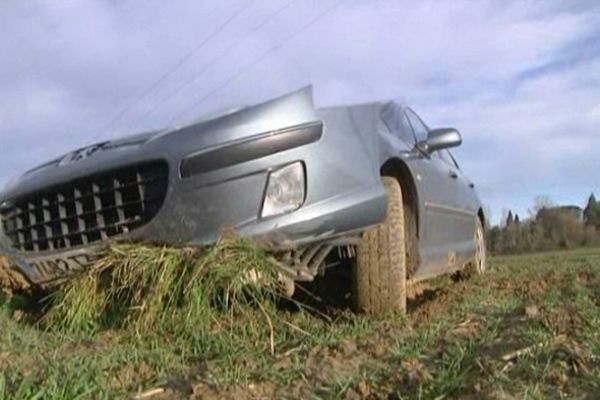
371	184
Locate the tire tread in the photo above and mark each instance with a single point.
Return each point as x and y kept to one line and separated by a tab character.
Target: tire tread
379	273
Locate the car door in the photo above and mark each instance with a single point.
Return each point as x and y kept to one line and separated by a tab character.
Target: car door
467	204
440	240
464	203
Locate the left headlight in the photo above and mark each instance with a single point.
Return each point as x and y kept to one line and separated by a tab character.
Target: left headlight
286	190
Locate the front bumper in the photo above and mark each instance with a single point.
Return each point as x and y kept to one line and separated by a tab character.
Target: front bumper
197	216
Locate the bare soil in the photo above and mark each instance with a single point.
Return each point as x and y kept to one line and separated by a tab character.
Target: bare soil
10	279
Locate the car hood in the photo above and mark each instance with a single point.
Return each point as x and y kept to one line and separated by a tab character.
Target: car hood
169	144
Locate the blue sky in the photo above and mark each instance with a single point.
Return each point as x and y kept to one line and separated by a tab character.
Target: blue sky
520	79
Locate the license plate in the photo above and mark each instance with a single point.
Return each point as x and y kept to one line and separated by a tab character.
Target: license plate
45	269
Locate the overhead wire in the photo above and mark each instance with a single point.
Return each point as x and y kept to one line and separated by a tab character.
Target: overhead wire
256	61
191	81
156	84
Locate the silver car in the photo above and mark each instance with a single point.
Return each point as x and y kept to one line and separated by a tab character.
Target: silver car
367	183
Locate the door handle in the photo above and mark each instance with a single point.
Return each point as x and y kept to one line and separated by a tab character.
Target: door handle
453	175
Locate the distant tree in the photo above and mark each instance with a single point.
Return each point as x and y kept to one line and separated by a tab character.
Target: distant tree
539	203
592	236
549	227
488	216
517	231
591	213
494	239
590	205
562	226
573	231
509	218
510	234
539	242
527	238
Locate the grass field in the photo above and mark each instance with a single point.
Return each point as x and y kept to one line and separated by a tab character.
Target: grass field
529	329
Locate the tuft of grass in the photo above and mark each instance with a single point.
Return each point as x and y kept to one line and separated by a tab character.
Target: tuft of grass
231	286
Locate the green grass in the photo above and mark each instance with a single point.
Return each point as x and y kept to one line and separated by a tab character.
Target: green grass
196	323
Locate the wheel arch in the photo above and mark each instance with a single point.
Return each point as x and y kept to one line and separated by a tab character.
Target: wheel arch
398	169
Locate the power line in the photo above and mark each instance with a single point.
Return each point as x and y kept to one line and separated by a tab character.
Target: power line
187	83
172	70
236	76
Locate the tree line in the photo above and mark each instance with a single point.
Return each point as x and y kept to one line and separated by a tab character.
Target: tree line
548	227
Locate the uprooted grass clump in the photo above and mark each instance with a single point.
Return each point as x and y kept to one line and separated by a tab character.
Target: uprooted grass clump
231	286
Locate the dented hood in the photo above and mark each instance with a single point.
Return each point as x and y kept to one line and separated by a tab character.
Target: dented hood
169	144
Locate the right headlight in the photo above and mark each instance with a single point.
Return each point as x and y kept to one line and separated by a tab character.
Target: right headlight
285	191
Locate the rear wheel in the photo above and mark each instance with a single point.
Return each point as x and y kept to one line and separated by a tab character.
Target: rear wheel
379	272
480	260
478	264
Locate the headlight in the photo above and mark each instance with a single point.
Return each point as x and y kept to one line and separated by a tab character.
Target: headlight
285	190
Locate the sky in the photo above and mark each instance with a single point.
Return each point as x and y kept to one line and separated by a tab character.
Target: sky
519	79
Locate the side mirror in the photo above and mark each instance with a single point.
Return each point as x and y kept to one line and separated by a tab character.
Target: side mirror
442	138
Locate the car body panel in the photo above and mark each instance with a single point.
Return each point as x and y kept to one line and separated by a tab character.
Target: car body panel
233	155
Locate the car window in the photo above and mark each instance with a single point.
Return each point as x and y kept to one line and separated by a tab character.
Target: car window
421	130
453	159
396	121
405	128
446	157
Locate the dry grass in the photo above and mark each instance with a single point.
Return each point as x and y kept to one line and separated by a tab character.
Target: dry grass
150	289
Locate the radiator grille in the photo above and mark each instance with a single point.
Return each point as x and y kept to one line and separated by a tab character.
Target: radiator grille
87	210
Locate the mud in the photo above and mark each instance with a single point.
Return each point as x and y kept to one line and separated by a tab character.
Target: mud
10	279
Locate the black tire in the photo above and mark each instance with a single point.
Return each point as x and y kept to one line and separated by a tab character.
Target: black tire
379	272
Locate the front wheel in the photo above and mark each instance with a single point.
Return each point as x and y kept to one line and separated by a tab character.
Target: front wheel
379	271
